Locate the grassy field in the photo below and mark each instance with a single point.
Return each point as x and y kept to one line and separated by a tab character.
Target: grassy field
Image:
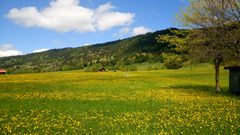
143	102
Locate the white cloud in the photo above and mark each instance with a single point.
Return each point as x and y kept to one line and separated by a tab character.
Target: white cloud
68	15
40	50
140	30
8	50
86	44
106	18
122	32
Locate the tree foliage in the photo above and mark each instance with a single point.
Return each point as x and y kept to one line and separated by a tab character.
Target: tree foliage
177	51
172	61
216	33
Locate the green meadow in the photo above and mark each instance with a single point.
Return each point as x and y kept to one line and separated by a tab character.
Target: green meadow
142	102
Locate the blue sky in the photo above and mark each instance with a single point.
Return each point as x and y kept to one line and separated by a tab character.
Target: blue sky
28	26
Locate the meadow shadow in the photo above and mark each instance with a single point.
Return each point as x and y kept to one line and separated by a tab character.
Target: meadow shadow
201	88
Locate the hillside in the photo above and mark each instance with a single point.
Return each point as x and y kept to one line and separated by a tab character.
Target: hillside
138	49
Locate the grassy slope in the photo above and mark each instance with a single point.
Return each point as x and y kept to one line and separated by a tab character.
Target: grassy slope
107	54
164	102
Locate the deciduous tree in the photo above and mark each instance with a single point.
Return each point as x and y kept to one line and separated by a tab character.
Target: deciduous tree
216	33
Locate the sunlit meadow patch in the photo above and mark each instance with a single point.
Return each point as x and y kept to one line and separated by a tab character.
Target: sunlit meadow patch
153	102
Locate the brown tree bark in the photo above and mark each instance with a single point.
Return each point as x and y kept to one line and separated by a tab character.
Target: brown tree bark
217	62
217	78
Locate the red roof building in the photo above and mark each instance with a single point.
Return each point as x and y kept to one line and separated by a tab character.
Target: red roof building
2	71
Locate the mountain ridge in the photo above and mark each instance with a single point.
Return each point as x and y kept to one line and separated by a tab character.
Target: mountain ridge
114	54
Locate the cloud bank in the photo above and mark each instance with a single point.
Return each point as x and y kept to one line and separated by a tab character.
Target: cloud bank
69	15
8	50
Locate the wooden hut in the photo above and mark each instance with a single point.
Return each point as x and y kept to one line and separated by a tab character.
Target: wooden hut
102	70
2	71
234	79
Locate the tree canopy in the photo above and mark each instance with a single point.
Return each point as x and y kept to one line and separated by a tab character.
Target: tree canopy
216	31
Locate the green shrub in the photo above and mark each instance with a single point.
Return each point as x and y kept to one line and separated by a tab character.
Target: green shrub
150	68
172	61
133	68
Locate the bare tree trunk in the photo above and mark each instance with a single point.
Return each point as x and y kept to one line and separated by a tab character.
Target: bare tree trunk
217	62
217	78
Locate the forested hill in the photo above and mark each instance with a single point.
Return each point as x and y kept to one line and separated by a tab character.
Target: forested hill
113	55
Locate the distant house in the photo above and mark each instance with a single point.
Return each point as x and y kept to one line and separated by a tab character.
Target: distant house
234	79
102	70
2	71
